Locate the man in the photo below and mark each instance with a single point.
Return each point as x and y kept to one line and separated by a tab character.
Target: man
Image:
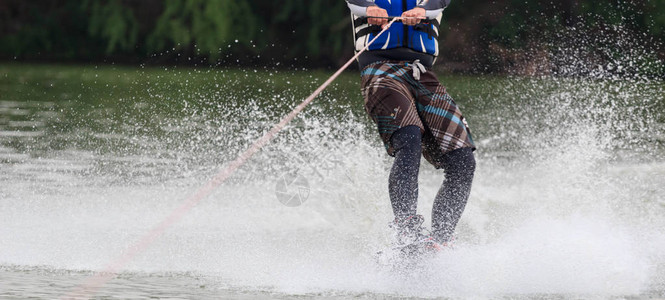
414	115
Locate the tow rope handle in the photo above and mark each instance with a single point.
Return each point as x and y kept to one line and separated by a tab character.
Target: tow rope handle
422	20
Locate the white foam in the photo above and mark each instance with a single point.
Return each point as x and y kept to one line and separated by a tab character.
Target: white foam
556	215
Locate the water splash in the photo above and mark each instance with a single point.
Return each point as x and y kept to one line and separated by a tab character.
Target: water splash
567	199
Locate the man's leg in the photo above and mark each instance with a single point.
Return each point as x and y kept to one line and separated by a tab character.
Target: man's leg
403	182
459	166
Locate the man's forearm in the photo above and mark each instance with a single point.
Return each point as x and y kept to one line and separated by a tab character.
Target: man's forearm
433	4
432	7
362	3
359	7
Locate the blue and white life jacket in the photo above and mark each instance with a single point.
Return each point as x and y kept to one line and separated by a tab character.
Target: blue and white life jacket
422	37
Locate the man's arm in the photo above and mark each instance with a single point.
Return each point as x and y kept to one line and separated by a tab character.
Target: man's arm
424	9
433	7
367	8
359	7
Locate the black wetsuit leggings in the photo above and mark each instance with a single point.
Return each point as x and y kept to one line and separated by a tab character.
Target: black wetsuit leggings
459	166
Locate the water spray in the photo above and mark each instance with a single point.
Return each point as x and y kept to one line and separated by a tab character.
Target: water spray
94	282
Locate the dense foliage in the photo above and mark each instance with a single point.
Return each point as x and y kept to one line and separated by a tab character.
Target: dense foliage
481	36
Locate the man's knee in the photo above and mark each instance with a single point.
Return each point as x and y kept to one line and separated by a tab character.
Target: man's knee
407	138
460	162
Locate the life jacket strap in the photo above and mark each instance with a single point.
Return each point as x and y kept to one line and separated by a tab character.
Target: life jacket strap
427	26
367	30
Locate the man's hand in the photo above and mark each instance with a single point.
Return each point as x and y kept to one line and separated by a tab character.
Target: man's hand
413	16
375	11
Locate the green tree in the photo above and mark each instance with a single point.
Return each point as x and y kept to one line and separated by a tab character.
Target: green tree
209	25
654	19
113	22
314	28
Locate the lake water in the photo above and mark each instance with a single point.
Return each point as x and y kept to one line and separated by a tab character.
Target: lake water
568	199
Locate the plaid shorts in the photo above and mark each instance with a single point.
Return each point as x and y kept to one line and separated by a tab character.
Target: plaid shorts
395	99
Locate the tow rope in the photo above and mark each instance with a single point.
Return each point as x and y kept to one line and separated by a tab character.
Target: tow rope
93	283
